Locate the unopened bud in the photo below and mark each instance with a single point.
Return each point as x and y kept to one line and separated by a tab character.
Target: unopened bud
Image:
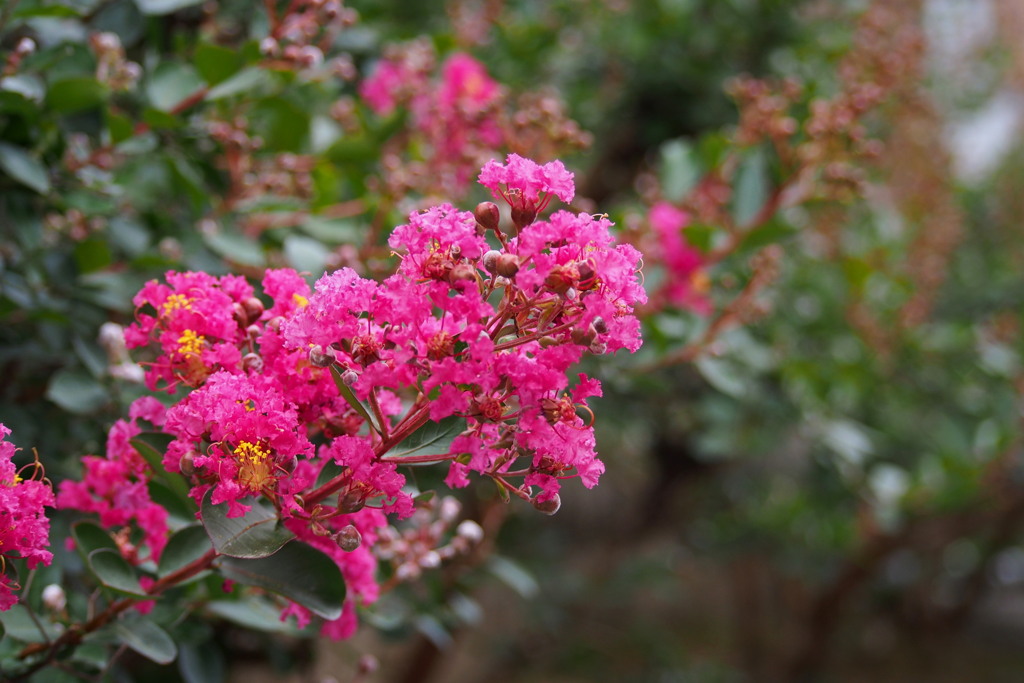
349	538
507	265
549	506
547	342
490	260
598	347
253	309
584	336
186	465
252	362
523	215
349	377
463	272
352	501
487	215
600	325
321	357
54	598
470	530
368	664
288	463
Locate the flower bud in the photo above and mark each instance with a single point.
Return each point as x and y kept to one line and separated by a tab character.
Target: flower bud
352	501
54	598
253	309
252	362
600	325
523	214
349	538
547	342
463	272
487	215
584	336
507	265
186	465
349	377
490	260
549	506
321	357
470	530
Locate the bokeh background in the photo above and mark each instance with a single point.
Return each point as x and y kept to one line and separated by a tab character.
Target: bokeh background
814	463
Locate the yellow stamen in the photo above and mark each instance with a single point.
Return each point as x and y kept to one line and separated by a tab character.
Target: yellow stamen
300	300
190	343
254	465
176	302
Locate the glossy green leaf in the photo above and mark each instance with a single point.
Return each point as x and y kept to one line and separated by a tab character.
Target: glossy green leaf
152	446
18	624
242	82
257	534
201	663
146	638
299	572
432	438
216	63
159	7
114	572
76	391
90	536
170	83
253	612
23	167
346	392
186	546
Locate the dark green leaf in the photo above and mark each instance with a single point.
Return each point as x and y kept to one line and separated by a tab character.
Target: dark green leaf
299	572
90	536
114	572
18	624
255	535
236	248
23	167
75	94
152	446
201	663
146	638
243	81
183	548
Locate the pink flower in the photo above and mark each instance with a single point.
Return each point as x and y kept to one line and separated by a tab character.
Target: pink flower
528	179
685	281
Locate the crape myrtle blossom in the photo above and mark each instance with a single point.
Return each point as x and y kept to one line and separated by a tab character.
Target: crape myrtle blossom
24	528
685	282
308	398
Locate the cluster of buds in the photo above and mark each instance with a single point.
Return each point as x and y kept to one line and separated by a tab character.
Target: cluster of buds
254	175
113	69
299	38
540	128
71	224
426	540
308	399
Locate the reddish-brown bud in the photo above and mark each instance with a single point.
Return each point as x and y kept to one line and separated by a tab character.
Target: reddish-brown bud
490	260
252	362
507	265
186	464
321	357
349	538
253	309
549	506
487	215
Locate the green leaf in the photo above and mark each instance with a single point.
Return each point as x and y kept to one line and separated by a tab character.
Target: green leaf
77	392
751	187
114	572
75	94
216	63
679	169
235	248
255	535
28	86
299	572
350	397
254	613
183	548
18	624
146	638
722	375
170	83
305	254
90	536
152	446
159	7
431	438
23	167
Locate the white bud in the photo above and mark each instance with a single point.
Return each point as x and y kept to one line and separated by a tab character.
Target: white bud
54	598
470	530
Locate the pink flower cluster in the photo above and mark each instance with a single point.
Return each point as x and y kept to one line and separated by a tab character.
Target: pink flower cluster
310	399
686	282
456	116
24	528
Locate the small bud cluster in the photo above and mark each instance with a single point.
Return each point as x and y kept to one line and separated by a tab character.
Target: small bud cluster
23	49
299	38
426	541
112	67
